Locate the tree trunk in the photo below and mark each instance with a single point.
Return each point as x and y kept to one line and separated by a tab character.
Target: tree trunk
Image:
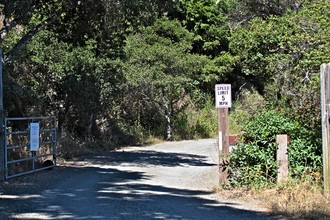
169	136
62	115
60	122
89	135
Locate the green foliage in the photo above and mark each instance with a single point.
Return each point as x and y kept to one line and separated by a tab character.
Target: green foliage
161	55
252	166
244	10
196	121
70	82
305	159
281	57
248	104
218	68
253	161
208	21
265	126
159	66
20	10
108	69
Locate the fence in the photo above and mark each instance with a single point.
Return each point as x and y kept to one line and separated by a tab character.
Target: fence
30	145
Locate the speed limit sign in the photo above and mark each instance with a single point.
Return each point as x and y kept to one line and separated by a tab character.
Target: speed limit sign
223	95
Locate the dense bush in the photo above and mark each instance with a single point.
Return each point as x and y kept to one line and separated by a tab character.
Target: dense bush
253	161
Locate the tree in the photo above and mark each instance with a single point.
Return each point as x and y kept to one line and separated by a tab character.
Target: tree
281	57
27	18
242	11
207	20
160	67
61	57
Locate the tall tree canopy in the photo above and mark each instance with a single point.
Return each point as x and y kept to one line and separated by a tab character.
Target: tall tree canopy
160	67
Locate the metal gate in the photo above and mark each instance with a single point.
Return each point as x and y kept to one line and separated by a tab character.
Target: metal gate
30	145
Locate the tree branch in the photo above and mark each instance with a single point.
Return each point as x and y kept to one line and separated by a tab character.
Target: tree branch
27	37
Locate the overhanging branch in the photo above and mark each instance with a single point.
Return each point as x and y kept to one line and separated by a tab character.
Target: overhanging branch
10	55
24	40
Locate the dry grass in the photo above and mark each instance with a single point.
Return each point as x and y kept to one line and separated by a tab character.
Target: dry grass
301	200
296	200
152	140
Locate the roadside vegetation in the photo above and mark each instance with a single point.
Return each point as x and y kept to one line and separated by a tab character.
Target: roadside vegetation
295	199
119	73
253	171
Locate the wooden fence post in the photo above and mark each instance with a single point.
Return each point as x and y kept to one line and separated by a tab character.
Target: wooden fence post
282	158
325	117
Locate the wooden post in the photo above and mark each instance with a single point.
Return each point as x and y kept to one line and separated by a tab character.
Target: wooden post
282	158
223	102
224	144
325	117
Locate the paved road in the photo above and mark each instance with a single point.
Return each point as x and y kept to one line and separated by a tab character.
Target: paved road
174	180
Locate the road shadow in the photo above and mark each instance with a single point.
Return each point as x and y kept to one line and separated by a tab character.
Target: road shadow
148	158
107	193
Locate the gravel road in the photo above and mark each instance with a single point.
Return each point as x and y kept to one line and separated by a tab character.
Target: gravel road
172	180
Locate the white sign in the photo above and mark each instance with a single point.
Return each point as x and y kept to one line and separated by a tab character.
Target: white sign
223	96
220	141
34	136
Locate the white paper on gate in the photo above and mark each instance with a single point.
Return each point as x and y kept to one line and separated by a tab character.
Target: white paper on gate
34	136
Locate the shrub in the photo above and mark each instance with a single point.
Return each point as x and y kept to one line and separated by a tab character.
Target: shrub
253	161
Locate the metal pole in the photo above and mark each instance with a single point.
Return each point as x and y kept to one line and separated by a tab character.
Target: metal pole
2	133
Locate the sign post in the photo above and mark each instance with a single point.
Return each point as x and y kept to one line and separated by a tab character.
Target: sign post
222	103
